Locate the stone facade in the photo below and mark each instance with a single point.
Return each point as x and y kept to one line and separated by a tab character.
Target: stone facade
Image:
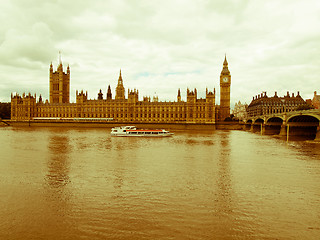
264	105
122	108
240	111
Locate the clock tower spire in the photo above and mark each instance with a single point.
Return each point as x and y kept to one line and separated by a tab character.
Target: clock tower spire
225	83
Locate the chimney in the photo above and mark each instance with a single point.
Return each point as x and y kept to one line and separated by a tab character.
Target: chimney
288	94
292	94
315	93
275	94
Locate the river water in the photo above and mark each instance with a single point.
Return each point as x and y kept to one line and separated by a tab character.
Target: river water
67	183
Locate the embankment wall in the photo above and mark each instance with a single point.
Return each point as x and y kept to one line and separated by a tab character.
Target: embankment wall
173	126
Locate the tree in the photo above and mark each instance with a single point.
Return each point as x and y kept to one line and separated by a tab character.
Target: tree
230	118
5	110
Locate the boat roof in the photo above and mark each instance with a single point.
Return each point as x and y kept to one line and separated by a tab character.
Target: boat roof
146	130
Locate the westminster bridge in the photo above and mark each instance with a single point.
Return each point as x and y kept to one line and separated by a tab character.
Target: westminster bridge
296	123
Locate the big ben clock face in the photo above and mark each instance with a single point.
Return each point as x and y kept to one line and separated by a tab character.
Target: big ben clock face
225	79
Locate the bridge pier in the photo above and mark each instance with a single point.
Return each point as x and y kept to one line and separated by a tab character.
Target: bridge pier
272	129
247	127
255	128
263	129
317	138
283	130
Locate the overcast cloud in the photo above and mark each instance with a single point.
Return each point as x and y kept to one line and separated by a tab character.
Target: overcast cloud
161	46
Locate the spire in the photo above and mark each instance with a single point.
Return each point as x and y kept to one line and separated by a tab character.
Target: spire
60	61
225	69
109	94
120	79
225	60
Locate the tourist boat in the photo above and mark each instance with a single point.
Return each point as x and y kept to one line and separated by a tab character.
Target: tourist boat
132	131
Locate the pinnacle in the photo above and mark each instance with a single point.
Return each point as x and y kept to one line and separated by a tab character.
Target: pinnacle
225	60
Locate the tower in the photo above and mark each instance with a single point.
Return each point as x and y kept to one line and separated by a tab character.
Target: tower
100	95
225	83
120	89
109	94
59	84
179	96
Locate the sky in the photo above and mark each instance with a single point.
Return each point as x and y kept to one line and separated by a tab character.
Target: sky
161	46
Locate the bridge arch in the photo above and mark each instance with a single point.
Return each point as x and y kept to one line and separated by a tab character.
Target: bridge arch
273	125
304	125
247	125
258	121
304	118
257	125
274	120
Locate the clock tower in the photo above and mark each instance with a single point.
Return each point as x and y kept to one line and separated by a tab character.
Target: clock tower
225	82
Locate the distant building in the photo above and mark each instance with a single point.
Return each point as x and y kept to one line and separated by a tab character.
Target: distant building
263	105
309	102
240	111
316	100
121	109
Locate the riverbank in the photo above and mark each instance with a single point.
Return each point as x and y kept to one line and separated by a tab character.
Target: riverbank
3	123
86	124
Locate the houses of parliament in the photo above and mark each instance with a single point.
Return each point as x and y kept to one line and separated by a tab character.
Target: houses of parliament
121	108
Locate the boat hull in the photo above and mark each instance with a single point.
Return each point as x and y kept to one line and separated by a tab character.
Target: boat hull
143	135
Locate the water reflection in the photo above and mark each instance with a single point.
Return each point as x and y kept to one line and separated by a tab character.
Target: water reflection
59	149
225	197
224	182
